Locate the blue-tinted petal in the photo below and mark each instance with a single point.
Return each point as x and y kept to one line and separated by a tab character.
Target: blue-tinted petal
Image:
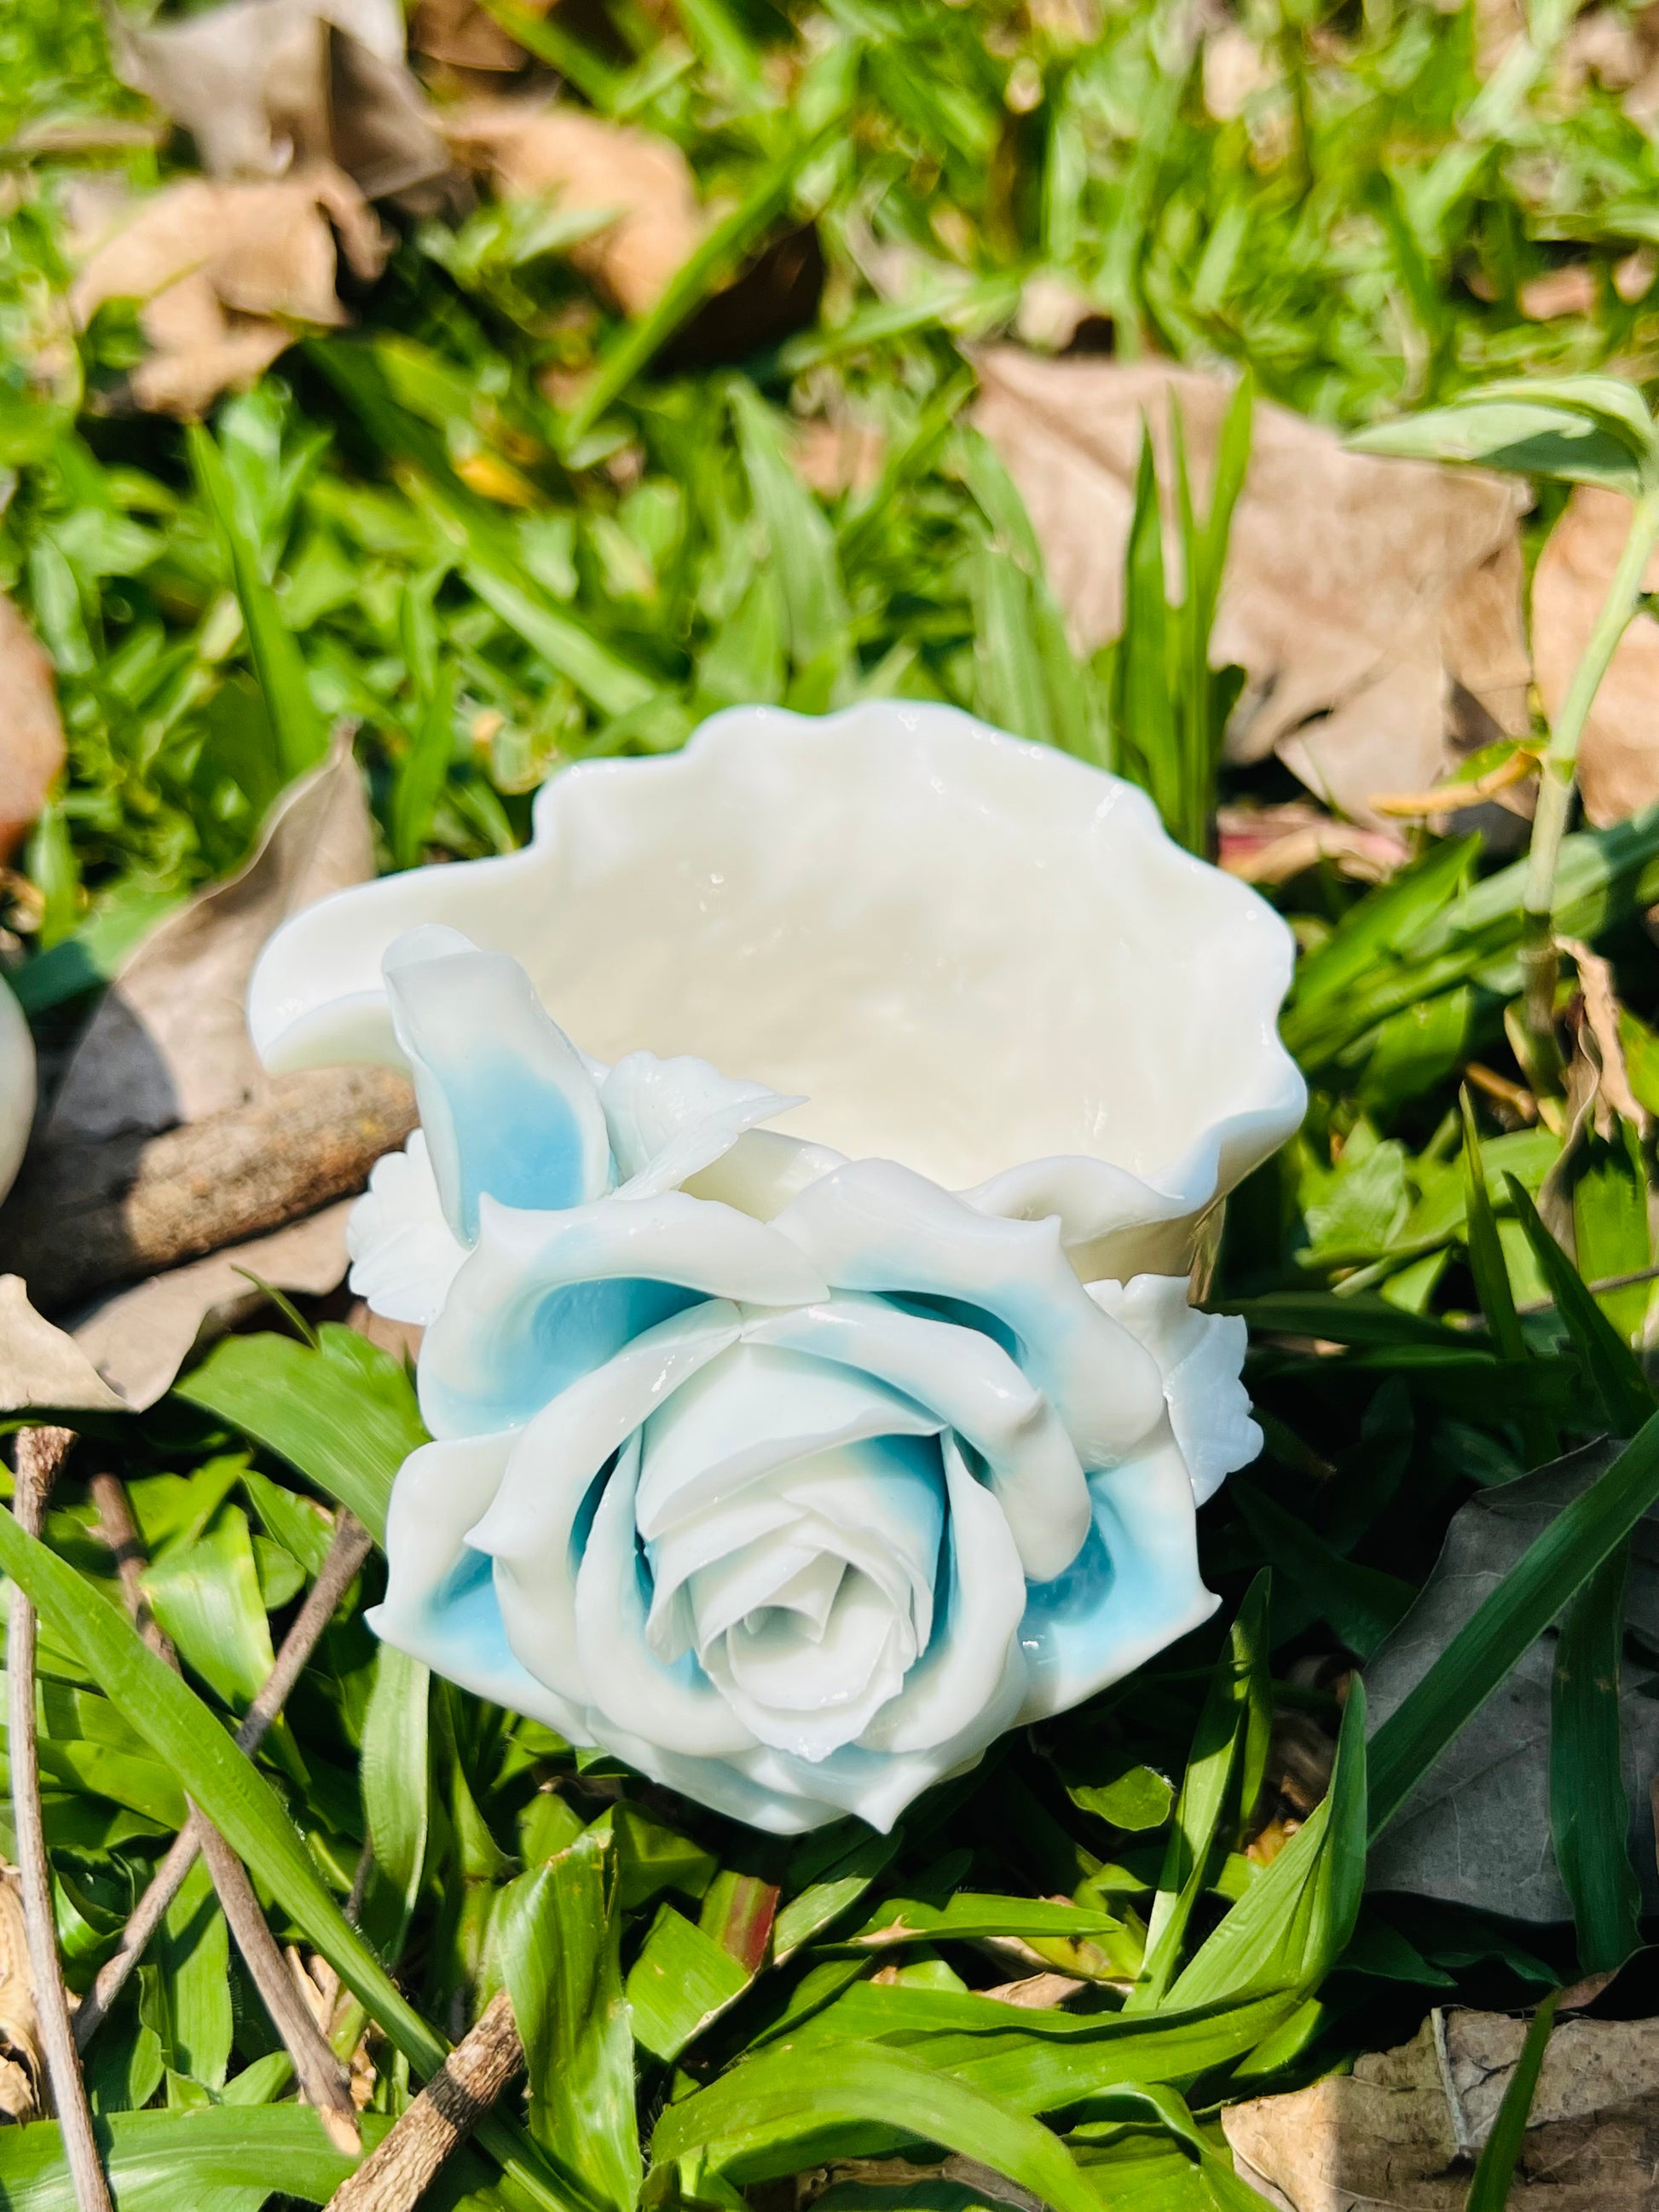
508	1108
545	1297
1133	1589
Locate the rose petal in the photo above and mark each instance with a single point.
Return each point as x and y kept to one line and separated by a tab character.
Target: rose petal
763	1171
1202	1356
545	1298
1134	1588
508	1107
440	1603
874	1226
529	1519
756	1411
810	1696
877	1506
404	1255
670	1118
956	1682
977	1389
630	1686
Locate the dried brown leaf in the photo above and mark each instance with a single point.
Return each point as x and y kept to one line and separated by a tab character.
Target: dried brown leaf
1569	291
527	147
168	1044
40	1365
1395	2135
462	35
31	736
169	1041
224	272
267	85
1618	752
1375	606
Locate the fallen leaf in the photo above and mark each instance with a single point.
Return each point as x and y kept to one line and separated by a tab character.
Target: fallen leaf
1400	2133
40	1365
834	457
224	272
136	1341
266	86
169	1041
32	736
1570	291
1234	69
462	35
1476	1831
1375	606
122	1353
529	147
1618	752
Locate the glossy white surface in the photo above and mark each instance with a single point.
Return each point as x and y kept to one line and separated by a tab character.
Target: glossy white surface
17	1087
794	1478
973	955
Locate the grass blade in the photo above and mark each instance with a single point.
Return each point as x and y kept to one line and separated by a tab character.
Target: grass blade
184	1734
765	2102
1494	2172
301	731
1553	1568
1210	1782
1611	1367
1590	1812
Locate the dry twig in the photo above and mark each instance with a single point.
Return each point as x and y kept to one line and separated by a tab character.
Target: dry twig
40	1453
350	1547
323	2080
393	2178
85	1216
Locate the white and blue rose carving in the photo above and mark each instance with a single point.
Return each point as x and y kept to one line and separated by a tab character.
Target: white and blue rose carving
793	1464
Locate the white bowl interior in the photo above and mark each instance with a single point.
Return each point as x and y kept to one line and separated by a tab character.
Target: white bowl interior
967	952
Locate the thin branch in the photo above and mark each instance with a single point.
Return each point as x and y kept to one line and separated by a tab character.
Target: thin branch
323	2080
40	1453
394	2178
352	1547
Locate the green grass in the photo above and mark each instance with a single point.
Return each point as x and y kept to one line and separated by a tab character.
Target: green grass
1360	237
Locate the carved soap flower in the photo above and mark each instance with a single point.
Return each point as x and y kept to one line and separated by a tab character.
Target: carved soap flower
794	1464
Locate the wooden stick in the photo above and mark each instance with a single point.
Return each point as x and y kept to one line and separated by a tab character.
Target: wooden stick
323	2080
394	2178
40	1453
87	1216
350	1547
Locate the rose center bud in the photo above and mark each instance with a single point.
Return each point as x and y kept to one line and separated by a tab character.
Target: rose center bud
793	1561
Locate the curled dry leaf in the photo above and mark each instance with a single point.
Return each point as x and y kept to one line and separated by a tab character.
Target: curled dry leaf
1375	606
224	273
168	1044
169	1041
266	86
1397	2134
32	736
1569	291
1618	752
528	147
1476	1830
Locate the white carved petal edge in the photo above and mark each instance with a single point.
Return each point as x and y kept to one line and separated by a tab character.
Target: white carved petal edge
978	956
